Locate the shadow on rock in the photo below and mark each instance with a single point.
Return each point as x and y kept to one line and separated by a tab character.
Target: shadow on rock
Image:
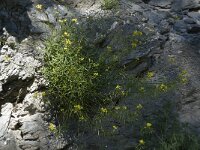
14	17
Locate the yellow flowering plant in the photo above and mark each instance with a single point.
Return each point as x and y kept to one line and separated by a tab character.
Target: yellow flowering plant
139	107
77	108
148	125
150	74
75	20
162	87
104	110
77	83
114	127
137	33
141	142
52	127
39	6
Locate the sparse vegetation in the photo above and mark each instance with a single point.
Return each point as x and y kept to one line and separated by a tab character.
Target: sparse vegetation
87	86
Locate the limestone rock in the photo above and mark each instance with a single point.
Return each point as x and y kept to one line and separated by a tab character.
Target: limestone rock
23	28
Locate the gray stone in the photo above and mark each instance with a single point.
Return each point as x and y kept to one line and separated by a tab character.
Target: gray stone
33	103
62	10
185	4
11	41
8	142
39	28
154	17
29	145
164	27
5	117
161	3
195	16
189	21
12	3
21	83
31	124
135	8
193	29
41	17
51	18
180	26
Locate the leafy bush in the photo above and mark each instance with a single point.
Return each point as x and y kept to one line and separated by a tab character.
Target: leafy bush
79	82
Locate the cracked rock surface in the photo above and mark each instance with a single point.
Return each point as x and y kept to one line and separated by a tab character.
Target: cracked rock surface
23	28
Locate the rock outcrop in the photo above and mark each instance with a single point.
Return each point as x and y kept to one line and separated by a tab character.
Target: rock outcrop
23	27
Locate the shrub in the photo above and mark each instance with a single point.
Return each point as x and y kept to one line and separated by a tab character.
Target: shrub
79	82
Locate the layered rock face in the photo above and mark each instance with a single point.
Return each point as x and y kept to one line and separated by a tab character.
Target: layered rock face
22	119
23	28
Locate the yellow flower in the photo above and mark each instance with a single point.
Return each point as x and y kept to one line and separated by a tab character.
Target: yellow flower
137	33
149	125
96	74
184	72
117	107
61	21
139	106
183	77
7	58
64	20
68	42
115	127
184	80
77	108
163	87
150	74
142	89
118	87
52	127
104	110
141	142
134	44
66	34
39	6
74	20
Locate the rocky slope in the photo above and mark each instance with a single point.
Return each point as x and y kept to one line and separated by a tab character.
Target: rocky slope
23	28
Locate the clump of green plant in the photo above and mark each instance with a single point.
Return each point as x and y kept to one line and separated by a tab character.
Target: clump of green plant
110	4
79	83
